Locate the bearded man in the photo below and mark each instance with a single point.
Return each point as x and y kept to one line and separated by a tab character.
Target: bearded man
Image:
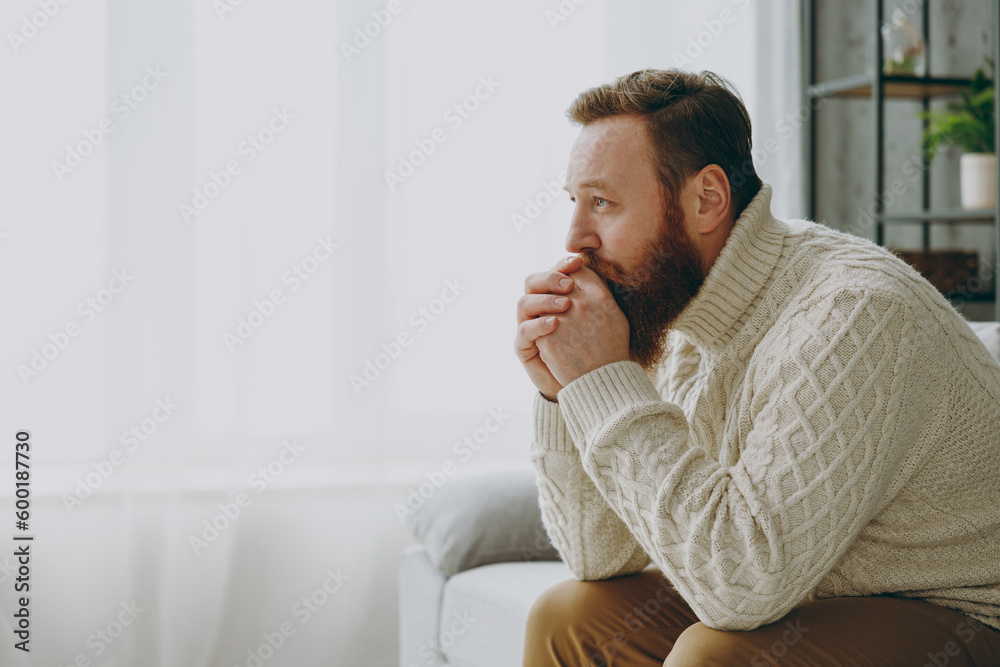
757	441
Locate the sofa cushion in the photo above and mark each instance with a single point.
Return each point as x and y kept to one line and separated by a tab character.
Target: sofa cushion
989	333
485	611
489	518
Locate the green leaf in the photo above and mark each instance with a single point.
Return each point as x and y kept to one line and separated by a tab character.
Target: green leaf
968	123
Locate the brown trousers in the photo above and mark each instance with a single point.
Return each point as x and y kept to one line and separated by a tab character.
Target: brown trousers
640	620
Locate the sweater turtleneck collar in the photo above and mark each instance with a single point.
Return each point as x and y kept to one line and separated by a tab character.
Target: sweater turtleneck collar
736	279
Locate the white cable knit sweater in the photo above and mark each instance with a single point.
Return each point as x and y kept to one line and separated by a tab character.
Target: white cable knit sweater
823	423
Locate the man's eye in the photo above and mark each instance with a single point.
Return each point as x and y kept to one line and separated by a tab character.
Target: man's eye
601	201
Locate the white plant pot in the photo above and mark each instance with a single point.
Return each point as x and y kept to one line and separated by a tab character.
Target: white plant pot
979	180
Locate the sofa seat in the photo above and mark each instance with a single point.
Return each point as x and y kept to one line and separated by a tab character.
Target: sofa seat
477	618
493	601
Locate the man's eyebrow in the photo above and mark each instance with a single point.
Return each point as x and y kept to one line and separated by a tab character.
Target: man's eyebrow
593	184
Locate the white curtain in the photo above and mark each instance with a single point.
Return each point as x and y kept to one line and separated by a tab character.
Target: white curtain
260	263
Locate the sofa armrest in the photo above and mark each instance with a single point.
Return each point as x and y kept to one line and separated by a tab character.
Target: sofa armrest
421	589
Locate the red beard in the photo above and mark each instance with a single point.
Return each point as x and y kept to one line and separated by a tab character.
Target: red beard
669	275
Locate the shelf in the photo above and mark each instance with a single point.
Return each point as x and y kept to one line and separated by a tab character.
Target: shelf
894	86
954	215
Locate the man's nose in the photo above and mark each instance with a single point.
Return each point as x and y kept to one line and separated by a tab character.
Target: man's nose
581	235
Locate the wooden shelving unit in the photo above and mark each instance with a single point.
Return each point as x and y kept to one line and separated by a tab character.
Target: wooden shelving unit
875	88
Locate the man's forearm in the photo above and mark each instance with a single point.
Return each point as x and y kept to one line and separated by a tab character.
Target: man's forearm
590	537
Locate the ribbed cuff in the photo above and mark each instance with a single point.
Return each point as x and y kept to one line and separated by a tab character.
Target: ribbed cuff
550	427
590	400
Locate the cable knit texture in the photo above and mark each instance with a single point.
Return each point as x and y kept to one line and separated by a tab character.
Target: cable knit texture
823	423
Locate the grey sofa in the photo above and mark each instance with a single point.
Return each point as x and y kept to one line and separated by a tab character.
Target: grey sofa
459	606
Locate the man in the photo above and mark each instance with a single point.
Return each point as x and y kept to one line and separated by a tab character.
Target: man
796	428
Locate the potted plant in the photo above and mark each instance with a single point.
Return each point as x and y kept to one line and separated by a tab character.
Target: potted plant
969	124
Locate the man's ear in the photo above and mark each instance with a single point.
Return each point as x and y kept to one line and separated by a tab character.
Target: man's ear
711	190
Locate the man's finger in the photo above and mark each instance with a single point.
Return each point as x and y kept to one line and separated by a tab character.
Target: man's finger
585	279
528	332
568	264
532	305
546	282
